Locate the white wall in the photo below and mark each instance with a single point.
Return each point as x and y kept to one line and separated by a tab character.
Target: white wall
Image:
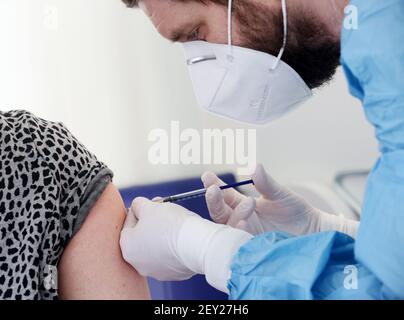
102	70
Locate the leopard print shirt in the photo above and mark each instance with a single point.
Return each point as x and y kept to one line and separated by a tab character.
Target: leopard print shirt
48	184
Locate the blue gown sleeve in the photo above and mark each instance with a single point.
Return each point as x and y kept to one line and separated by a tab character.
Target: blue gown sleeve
332	265
276	266
373	60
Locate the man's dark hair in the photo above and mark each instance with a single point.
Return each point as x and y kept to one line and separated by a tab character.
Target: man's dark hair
131	3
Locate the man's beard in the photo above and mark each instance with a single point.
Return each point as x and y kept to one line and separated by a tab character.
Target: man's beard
310	50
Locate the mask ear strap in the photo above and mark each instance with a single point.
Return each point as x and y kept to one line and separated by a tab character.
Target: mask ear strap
230	30
285	34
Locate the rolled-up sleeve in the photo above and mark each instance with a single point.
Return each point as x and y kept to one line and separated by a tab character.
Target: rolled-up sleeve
80	176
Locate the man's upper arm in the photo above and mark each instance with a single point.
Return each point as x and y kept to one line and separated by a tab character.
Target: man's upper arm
92	266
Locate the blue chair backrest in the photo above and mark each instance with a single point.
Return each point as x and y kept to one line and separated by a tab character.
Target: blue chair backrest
196	288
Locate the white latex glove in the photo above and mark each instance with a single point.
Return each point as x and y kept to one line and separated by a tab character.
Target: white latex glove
278	209
169	242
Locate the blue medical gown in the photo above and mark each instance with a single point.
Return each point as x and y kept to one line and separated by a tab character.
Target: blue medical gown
331	265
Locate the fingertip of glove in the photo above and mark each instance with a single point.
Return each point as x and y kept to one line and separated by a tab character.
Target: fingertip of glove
213	193
123	240
259	171
208	178
138	204
157	199
250	203
263	182
246	208
130	221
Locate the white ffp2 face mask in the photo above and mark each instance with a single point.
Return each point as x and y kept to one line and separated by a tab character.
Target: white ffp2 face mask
243	84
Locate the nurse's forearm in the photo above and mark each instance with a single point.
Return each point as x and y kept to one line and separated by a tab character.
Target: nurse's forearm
329	222
218	245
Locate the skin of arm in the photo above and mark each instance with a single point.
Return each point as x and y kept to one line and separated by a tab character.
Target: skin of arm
92	266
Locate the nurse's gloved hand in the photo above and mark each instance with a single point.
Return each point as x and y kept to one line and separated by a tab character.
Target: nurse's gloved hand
278	209
168	242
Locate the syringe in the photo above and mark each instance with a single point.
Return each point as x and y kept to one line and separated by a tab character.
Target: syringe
199	193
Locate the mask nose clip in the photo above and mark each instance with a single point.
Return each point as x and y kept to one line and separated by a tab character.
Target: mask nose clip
200	59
